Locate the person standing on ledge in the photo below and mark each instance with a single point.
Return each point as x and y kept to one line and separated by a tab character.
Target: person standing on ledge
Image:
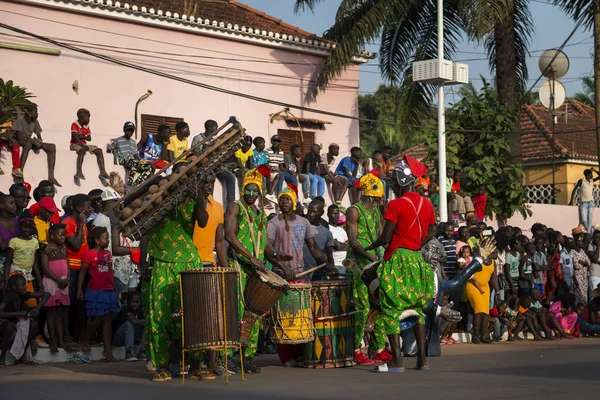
586	198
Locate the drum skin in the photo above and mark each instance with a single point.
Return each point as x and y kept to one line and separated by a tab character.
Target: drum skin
291	317
333	346
263	289
205	324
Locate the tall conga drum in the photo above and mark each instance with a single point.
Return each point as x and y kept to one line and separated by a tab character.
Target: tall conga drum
333	346
210	308
291	317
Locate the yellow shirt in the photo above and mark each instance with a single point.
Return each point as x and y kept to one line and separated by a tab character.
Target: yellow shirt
244	156
42	230
23	254
177	146
204	238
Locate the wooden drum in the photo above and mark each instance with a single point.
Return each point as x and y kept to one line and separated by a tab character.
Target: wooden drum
210	306
333	346
291	317
263	289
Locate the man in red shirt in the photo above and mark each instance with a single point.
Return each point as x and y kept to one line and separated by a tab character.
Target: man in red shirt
479	204
80	134
407	281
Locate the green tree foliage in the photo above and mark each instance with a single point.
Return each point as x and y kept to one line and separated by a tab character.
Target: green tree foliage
13	100
589	91
484	157
385	107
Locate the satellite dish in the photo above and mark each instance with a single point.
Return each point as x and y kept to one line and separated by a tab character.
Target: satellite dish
553	67
546	94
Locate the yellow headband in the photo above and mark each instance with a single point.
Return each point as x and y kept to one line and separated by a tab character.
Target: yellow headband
253	177
371	185
291	194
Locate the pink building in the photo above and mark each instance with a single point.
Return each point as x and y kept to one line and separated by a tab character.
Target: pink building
219	43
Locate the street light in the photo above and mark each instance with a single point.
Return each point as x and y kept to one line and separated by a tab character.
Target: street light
439	71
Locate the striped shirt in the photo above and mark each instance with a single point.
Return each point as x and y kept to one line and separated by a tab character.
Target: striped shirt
450	249
275	159
123	149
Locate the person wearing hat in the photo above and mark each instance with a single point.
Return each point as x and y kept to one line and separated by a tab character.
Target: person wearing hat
363	224
80	135
407	282
47	209
125	152
278	169
246	233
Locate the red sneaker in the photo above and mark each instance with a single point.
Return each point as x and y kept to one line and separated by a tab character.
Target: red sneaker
383	356
360	358
451	340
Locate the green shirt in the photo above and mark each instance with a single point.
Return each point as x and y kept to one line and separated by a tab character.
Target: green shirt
172	239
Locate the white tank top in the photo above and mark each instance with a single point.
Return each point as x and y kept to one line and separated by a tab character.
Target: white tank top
587	191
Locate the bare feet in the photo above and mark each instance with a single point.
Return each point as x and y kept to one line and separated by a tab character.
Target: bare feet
66	347
104	175
108	357
80	177
538	338
54	182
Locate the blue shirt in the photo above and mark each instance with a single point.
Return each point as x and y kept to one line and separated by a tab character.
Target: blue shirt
345	163
259	158
152	151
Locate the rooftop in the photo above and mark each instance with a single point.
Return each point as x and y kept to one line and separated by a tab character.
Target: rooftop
575	137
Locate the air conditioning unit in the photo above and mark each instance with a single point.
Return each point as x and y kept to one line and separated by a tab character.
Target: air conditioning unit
432	71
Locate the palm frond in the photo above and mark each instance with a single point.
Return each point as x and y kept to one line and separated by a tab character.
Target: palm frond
304	5
352	31
480	16
581	11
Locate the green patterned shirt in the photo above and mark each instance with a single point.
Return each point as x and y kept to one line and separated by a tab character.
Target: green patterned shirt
172	239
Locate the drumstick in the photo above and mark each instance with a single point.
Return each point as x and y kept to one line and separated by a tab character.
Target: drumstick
310	270
337	316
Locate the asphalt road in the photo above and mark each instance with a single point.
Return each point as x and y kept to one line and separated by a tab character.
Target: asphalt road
567	369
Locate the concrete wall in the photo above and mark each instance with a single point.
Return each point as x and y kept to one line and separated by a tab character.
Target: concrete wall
559	217
110	91
566	176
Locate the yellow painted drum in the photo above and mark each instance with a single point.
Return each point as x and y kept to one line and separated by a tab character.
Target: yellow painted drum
291	317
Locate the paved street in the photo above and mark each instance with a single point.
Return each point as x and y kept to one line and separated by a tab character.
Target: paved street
557	370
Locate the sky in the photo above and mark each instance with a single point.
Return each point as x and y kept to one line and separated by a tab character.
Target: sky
552	27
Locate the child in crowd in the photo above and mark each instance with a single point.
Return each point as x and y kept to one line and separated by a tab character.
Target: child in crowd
583	321
80	135
128	328
178	143
56	282
21	256
100	296
449	329
581	266
125	152
540	265
14	316
464	260
512	271
508	319
527	317
526	270
564	311
245	160
260	157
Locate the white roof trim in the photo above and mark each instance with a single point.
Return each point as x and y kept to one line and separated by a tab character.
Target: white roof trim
122	10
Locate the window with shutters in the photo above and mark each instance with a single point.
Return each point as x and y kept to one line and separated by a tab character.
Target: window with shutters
289	138
150	123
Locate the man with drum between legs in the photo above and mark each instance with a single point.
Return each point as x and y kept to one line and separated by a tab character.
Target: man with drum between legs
287	233
363	225
407	282
207	240
246	233
171	250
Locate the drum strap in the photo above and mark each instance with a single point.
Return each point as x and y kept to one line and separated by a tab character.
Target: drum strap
417	211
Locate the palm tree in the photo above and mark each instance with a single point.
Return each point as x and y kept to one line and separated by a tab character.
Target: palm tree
408	33
589	91
13	100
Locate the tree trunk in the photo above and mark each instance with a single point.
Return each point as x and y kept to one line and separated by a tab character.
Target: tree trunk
597	72
506	74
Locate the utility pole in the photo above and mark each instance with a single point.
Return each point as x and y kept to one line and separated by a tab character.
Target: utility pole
597	73
442	118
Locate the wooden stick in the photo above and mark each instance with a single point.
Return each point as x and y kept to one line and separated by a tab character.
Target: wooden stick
311	270
337	316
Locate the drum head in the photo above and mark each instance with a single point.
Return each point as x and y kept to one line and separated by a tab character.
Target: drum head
271	278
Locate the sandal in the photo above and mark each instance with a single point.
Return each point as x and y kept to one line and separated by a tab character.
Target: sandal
383	368
162	376
426	367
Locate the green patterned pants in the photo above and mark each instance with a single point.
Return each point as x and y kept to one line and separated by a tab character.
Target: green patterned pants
250	349
407	282
163	299
360	293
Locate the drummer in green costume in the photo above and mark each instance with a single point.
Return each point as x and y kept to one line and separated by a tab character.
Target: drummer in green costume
171	250
363	225
246	233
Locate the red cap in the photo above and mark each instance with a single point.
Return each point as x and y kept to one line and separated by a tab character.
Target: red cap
48	204
27	187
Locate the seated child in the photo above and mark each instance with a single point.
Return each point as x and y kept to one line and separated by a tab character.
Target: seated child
128	328
508	317
12	311
21	256
564	312
449	329
527	317
547	320
583	321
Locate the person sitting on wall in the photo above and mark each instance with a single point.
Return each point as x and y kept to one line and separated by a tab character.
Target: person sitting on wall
351	169
7	138
153	148
125	151
24	127
80	135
